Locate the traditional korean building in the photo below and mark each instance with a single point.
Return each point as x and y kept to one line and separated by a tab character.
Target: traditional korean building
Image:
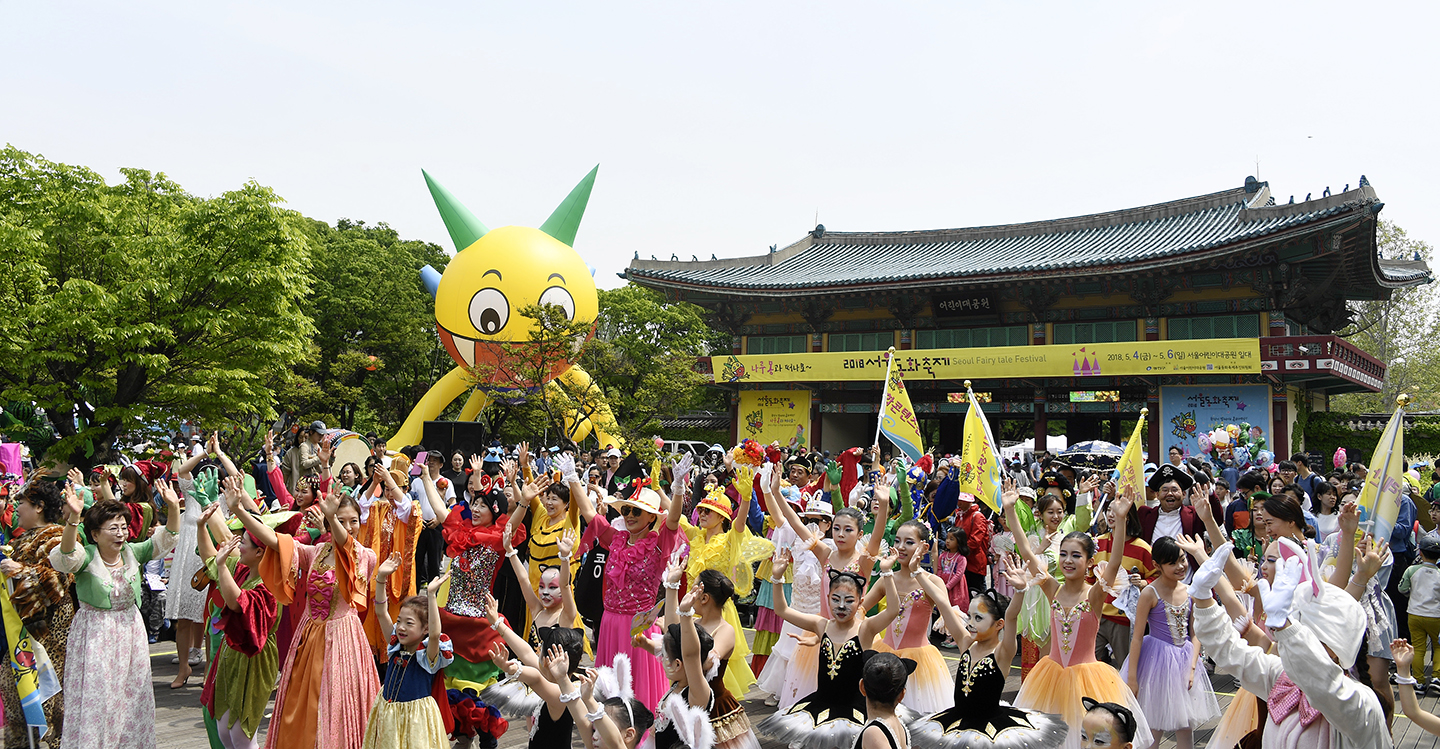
1210	309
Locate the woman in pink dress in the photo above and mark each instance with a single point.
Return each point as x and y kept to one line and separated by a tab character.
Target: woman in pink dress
929	689
329	680
638	555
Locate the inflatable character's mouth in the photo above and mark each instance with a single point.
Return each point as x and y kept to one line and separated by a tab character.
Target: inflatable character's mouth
504	363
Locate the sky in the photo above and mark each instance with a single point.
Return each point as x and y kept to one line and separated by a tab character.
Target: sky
724	128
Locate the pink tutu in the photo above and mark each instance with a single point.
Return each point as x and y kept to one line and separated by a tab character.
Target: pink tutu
645	669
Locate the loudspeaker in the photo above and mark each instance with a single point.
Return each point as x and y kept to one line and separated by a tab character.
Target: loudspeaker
469	437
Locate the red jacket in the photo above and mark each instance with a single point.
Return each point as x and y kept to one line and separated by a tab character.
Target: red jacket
977	535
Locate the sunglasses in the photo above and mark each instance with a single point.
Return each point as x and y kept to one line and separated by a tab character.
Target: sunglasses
629	511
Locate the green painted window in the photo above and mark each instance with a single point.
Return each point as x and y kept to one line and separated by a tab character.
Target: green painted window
862	341
1014	335
776	344
1094	332
1214	326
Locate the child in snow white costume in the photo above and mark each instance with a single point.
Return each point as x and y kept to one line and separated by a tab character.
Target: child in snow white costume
1318	628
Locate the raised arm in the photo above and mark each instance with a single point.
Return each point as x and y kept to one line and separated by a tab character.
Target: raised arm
532	601
203	544
1015	574
874	625
1349	521
433	498
882	513
566	547
783	514
1122	505
233	491
938	592
1008	498
382	599
432	642
74	506
186	468
223	579
810	622
690	653
329	504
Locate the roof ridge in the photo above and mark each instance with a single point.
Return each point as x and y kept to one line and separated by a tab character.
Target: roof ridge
1121	217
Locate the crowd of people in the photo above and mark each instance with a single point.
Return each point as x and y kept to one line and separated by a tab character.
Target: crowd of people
425	597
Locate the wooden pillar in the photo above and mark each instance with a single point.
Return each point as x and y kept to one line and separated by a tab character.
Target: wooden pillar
815	398
1042	424
1152	425
735	418
1280	422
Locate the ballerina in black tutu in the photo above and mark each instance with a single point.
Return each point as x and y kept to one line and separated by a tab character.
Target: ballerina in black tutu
979	719
834	714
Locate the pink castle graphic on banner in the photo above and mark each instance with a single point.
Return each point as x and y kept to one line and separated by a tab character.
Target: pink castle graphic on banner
1083	366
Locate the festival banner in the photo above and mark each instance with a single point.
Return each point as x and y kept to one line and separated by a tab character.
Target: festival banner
1186	412
775	416
35	679
1203	356
979	465
1132	462
1380	499
897	418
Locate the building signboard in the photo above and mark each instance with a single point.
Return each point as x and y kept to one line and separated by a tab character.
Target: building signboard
1145	358
776	416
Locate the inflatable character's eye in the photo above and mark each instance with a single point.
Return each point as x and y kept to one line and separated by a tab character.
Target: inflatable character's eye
561	298
489	311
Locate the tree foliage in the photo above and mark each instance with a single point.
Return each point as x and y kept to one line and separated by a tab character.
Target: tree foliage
374	351
1401	333
643	358
137	303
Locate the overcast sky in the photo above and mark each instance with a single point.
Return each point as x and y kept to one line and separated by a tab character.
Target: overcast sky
725	127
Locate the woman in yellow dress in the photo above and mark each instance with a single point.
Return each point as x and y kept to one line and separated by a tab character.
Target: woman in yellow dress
720	541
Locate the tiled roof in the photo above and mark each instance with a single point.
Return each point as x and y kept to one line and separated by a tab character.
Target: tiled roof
1146	235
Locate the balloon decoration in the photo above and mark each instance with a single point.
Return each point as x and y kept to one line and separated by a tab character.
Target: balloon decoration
494	274
1242	443
1340	457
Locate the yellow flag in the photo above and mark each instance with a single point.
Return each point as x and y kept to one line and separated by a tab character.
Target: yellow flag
1380	499
979	465
1132	462
897	418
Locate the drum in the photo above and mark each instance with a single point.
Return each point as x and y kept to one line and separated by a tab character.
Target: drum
348	447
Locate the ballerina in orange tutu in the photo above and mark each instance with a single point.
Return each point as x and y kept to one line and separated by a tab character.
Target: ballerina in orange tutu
1070	671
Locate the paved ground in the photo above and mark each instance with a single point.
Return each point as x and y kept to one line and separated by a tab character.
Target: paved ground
178	723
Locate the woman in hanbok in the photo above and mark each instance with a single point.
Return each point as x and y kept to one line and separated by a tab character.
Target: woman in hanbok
328	683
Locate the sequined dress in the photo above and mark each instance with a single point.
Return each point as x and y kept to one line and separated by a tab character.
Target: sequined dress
981	720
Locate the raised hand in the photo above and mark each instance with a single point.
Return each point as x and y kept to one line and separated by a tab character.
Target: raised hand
268	446
523	451
675	568
1404	654
682	468
1208	574
388	567
205	515
887	561
1088	484
76	477
233	489
534	489
326	450
780	562
434	587
557	663
1372	556
500	657
492	607
565	463
1279	597
1349	521
833	472
1122	505
1008	493
227	549
912	566
1193	546
505	536
1201	503
566	544
477	463
329	503
1015	572
587	683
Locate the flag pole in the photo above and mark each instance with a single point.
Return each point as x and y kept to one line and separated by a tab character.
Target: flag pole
885	394
1401	402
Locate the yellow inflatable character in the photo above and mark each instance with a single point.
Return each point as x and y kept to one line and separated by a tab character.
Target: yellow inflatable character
495	273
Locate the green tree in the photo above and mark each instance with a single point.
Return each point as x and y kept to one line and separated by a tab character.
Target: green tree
138	304
1401	333
643	358
374	352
